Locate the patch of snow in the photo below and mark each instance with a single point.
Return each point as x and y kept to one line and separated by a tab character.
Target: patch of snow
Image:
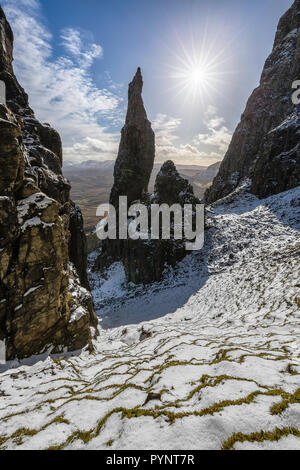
35	222
187	363
292	34
39	200
77	314
30	291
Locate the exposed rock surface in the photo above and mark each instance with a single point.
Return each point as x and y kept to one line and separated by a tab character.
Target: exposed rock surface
171	188
78	245
6	39
133	166
42	304
265	144
144	260
135	160
93	242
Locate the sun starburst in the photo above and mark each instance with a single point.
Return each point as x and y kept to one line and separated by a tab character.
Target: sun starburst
198	69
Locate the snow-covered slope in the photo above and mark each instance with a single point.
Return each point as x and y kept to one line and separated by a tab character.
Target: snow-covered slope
208	359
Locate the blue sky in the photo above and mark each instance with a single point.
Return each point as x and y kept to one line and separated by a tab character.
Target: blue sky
75	59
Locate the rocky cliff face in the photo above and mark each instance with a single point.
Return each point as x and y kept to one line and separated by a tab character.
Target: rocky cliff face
265	144
78	244
144	260
133	166
171	188
42	303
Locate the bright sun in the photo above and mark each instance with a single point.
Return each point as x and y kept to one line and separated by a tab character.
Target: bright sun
196	80
199	70
198	76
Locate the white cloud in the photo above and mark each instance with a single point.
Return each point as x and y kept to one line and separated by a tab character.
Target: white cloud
61	90
63	93
34	4
92	149
164	128
167	148
73	43
218	134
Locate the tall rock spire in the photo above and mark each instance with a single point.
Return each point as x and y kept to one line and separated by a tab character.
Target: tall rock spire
265	145
136	155
136	112
144	261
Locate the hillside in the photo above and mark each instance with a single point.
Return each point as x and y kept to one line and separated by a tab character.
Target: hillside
217	360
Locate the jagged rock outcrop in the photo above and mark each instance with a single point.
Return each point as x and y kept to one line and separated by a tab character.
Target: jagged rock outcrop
144	260
93	242
278	166
78	245
6	39
133	166
171	188
43	306
265	144
135	160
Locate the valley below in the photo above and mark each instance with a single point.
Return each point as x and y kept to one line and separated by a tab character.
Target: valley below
92	182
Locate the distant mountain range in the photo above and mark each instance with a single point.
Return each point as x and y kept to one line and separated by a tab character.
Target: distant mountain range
209	174
92	182
89	164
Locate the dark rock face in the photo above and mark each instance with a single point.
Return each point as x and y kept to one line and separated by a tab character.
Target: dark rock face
170	188
135	160
50	139
264	146
93	242
78	247
42	303
6	39
278	166
144	260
